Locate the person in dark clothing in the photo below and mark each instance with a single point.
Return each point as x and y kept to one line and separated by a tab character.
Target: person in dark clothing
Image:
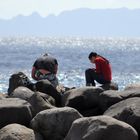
102	72
44	71
45	67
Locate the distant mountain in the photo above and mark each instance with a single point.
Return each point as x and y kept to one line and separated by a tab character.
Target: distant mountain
81	22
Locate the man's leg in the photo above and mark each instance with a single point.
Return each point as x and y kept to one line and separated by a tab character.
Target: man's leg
92	76
89	75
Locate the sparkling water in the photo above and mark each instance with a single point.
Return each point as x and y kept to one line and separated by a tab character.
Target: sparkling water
19	54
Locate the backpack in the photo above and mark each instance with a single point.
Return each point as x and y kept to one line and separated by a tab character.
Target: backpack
16	80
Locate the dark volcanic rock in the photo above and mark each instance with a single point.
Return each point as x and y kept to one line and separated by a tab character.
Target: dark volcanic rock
18	79
128	111
101	128
39	103
14	110
85	100
54	124
46	87
22	93
18	132
82	98
111	97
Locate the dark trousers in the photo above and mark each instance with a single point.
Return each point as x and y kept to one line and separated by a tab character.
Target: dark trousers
91	76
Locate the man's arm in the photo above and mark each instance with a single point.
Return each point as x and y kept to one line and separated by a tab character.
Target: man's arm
56	67
98	68
33	73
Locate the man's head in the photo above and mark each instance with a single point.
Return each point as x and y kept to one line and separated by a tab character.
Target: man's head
92	57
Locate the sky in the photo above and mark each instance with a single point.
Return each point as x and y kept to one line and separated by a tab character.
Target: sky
12	8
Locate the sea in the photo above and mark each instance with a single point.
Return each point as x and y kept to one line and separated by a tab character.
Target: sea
19	53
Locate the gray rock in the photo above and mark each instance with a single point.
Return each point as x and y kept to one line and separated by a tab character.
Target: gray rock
101	128
18	132
95	111
47	97
110	97
2	96
110	86
39	103
22	93
133	86
129	93
46	87
128	111
54	124
14	110
25	94
82	99
18	79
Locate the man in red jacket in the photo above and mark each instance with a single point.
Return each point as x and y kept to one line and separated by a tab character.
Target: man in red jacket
102	73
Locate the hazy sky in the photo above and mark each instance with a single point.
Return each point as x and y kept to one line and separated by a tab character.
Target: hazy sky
11	8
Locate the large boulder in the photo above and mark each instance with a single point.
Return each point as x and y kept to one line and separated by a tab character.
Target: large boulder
39	103
22	93
110	97
95	111
128	111
110	86
19	79
54	124
83	99
101	128
14	110
133	86
25	94
46	87
18	132
47	97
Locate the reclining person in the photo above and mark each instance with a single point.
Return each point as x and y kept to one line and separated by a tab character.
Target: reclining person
45	67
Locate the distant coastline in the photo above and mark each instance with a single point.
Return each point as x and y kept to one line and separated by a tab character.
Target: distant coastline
121	22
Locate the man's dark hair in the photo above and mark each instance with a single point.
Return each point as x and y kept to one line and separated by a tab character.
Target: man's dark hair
92	54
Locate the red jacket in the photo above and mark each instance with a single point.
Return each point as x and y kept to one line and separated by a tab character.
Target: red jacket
103	67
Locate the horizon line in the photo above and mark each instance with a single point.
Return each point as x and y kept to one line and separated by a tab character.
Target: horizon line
51	14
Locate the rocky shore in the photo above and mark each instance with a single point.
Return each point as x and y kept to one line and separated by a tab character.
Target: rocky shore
86	113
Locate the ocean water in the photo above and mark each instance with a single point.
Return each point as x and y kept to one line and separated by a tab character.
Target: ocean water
19	54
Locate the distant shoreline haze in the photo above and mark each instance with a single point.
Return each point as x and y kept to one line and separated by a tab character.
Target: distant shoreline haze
121	22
